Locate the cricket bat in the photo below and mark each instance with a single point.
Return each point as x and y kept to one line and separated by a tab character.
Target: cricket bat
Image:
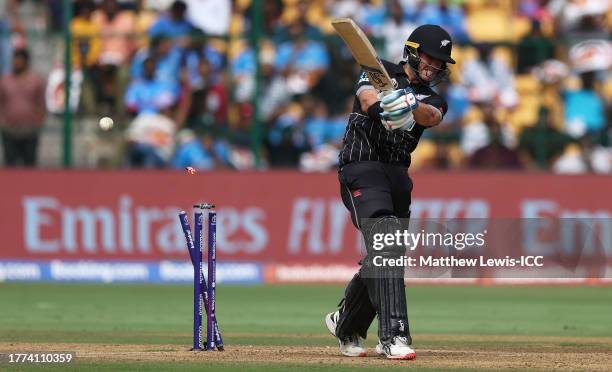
364	53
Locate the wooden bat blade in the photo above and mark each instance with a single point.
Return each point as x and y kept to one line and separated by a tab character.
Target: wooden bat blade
364	53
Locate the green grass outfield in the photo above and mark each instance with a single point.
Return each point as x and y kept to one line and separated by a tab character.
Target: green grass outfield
282	315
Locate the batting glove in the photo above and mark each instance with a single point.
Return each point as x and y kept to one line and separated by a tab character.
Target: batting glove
397	109
405	121
398	99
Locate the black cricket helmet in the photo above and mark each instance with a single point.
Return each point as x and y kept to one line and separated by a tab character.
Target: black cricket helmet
434	41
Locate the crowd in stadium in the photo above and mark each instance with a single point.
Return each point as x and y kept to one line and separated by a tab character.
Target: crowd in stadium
531	89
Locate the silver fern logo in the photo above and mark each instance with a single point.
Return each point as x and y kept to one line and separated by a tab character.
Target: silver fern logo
444	43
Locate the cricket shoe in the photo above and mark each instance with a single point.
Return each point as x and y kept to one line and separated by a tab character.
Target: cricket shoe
351	346
398	348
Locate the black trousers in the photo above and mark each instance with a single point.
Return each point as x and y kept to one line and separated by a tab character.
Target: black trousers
373	190
19	150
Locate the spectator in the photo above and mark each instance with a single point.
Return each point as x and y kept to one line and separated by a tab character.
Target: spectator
495	155
477	133
204	151
395	30
448	16
272	11
584	109
150	138
447	135
118	30
366	14
316	121
85	53
286	140
456	97
198	50
243	74
118	41
209	99
489	79
412	8
370	16
275	93
542	144
302	61
534	48
307	30
324	135
173	24
168	60
22	111
149	94
85	35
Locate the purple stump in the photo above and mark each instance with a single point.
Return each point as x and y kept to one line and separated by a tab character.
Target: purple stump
212	280
197	284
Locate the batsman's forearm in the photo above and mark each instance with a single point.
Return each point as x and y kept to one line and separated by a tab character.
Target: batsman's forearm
427	115
368	98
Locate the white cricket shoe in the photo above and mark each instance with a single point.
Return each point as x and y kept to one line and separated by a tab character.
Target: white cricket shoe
352	346
397	349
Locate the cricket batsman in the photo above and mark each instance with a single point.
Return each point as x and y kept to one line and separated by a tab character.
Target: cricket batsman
375	187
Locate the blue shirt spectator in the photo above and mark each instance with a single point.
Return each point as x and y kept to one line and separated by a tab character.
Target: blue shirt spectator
168	61
166	26
149	94
244	63
586	108
322	130
315	129
337	127
192	62
201	153
450	17
174	24
304	56
194	154
371	16
456	97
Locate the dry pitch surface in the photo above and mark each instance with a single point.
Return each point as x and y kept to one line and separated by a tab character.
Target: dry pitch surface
494	352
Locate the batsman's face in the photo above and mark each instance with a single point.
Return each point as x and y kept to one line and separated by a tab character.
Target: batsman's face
429	67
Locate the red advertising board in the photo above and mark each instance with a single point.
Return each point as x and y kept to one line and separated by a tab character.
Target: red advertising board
276	216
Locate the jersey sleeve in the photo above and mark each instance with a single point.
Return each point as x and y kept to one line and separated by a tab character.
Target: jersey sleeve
363	83
437	102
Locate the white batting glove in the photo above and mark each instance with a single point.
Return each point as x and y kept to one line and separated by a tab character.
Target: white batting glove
397	109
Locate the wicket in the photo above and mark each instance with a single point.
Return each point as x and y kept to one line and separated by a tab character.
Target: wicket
203	293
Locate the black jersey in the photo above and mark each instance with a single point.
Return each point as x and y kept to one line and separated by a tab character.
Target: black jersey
367	139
